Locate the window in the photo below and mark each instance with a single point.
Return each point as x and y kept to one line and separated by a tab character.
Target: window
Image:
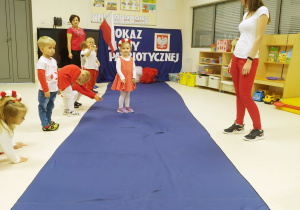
274	12
221	20
228	18
203	26
289	17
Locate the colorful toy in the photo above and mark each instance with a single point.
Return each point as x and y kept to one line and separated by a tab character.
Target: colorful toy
259	95
270	99
148	75
289	105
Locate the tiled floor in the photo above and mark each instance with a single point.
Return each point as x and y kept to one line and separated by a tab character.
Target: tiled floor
271	166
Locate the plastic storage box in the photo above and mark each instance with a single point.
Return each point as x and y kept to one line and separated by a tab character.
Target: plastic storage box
191	80
228	86
202	80
224	69
208	69
172	76
214	82
183	78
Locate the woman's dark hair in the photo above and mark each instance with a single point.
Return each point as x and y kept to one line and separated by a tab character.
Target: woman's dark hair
253	5
72	18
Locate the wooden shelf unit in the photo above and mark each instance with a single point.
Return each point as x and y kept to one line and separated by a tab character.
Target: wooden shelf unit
290	86
226	58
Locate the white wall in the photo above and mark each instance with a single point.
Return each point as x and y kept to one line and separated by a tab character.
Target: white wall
171	14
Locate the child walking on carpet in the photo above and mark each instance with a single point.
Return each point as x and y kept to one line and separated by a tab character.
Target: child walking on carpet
12	112
125	78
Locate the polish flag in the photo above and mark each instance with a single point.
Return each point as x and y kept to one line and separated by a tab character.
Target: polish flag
108	31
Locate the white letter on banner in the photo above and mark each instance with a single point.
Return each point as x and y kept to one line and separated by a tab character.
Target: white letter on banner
139	34
135	45
132	34
145	56
139	56
118	33
151	56
177	57
125	33
114	56
156	59
173	57
167	58
161	57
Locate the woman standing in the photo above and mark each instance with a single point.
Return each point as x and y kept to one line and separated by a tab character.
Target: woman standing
75	35
243	66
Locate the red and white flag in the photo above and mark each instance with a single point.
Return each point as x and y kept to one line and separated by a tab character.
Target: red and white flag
108	31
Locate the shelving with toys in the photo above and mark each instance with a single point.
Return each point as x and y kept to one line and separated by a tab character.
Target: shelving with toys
278	68
214	65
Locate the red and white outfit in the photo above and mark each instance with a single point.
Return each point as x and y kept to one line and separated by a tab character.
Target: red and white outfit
80	90
90	65
243	83
7	144
125	70
47	74
67	76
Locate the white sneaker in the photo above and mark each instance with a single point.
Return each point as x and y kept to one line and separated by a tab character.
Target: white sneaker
73	114
66	112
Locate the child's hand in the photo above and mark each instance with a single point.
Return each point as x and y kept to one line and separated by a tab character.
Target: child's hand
98	98
70	56
47	94
59	92
19	145
23	159
98	63
133	80
123	81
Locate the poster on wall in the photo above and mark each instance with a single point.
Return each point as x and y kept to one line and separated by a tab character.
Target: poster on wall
161	42
98	3
149	1
132	5
149	8
111	5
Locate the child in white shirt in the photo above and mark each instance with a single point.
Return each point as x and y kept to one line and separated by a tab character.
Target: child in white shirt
12	112
91	63
48	82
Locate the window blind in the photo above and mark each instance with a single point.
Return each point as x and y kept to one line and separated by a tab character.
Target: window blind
203	26
272	6
228	18
290	17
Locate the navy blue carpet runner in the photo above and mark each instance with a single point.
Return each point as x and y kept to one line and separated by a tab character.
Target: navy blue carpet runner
158	158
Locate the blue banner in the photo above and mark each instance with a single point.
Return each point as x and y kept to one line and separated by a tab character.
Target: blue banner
142	52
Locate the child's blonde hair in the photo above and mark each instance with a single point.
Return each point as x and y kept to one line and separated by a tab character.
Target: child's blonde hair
10	109
83	45
44	41
90	38
84	79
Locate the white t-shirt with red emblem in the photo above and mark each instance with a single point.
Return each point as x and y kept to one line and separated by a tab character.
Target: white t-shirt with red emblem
47	74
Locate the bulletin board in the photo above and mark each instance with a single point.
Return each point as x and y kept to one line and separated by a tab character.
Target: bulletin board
126	12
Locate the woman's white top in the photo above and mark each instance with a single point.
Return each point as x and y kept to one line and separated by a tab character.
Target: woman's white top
118	66
7	144
247	29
